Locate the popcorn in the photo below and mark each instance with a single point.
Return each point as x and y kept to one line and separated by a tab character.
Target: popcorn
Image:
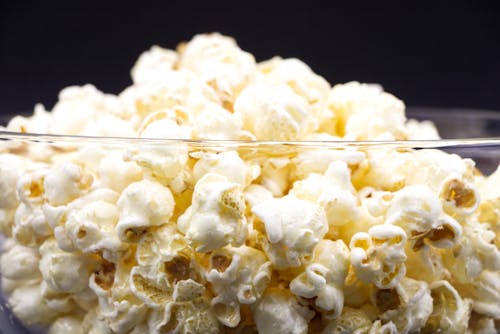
19	263
280	313
115	173
350	321
216	123
143	204
408	305
65	183
28	305
238	276
324	277
216	217
204	225
62	271
219	62
334	192
79	106
153	65
293	227
11	169
91	228
419	212
450	312
228	164
367	112
274	113
304	82
119	308
485	294
66	324
378	256
474	252
317	161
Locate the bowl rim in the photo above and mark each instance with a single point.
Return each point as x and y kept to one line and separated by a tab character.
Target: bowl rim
423	113
80	140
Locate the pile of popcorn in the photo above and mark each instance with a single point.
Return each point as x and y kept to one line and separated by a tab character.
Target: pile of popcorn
183	238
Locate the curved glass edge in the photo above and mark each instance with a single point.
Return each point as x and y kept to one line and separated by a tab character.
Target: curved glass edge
437	143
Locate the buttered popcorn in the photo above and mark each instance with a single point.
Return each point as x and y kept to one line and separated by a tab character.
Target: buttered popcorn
212	221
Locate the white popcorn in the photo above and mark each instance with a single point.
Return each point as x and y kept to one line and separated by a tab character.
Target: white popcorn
30	186
143	204
216	123
256	194
293	227
378	256
448	175
408	305
199	227
11	169
218	61
274	113
216	217
28	305
39	122
352	320
62	271
91	228
78	106
419	212
424	130
323	278
194	316
65	183
165	244
366	112
425	264
238	276
375	172
162	160
119	308
474	252
116	173
30	227
450	312
334	192
66	324
388	328
375	201
153	65
93	325
304	82
485	294
19	263
279	312
228	164
275	175
317	160
180	88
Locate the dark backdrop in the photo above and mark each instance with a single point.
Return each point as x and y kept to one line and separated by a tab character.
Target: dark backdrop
429	54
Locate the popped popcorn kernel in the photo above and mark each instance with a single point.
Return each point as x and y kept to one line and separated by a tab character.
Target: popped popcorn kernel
218	194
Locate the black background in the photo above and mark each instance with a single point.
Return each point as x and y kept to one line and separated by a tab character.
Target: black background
427	53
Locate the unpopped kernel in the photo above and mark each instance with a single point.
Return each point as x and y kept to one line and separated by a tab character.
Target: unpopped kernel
177	232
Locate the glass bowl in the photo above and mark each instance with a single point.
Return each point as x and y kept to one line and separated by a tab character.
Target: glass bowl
468	133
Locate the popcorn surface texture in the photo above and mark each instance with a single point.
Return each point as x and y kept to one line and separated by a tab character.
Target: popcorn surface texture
185	236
